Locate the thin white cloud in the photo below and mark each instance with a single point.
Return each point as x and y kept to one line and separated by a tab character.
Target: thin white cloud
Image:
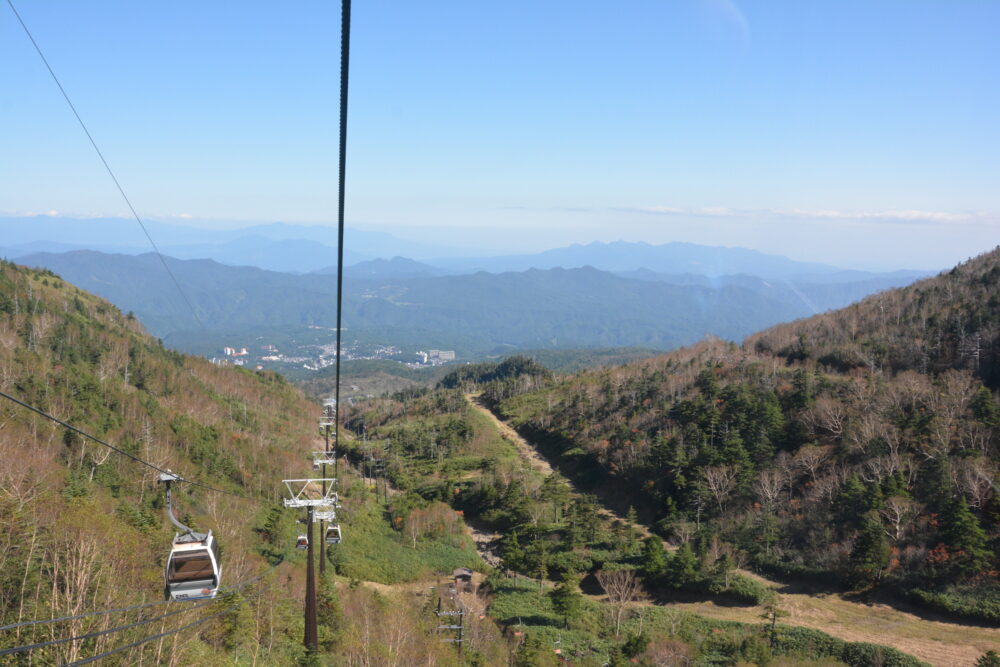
888	216
31	214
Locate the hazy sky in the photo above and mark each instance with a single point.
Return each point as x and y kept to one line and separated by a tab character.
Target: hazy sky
859	133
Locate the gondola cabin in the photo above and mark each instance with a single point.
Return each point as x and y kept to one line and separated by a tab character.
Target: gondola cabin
333	534
302	542
193	571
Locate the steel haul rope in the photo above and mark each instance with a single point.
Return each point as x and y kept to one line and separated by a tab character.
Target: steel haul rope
111	173
127	626
112	447
345	53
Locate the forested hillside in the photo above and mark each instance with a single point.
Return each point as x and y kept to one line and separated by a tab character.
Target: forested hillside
577	595
83	529
951	321
857	448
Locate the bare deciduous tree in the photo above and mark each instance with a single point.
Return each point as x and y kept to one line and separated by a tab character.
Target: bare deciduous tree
622	588
768	487
827	415
899	513
720	482
811	458
977	479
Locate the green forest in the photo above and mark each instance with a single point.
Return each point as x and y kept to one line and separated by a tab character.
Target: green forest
856	449
669	508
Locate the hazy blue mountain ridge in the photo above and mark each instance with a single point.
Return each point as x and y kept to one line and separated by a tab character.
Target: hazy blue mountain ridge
583	307
670	258
816	293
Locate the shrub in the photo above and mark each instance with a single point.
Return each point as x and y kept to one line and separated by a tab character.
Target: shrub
978	603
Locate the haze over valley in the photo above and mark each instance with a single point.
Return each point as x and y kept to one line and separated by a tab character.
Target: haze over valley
582	296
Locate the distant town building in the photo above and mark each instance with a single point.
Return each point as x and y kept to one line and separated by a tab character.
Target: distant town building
441	356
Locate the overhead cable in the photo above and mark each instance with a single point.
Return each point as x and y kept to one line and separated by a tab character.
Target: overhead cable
129	626
146	605
345	53
99	633
116	449
111	173
103	612
157	636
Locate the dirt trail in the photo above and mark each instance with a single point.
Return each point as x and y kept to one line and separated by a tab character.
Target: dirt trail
939	643
538	462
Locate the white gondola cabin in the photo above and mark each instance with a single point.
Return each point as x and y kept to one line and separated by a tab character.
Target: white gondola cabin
333	534
193	571
302	542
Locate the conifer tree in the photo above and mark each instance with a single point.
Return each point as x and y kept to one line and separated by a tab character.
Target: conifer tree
985	408
566	600
989	659
683	567
964	537
654	560
870	555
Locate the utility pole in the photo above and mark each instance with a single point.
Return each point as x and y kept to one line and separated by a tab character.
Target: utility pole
325	422
461	636
322	536
305	493
322	526
311	633
447	620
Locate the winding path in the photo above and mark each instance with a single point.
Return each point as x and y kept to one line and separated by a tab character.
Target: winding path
940	643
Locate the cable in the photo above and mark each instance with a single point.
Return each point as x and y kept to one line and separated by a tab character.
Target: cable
112	447
158	636
151	638
129	626
345	53
105	162
92	613
98	633
104	612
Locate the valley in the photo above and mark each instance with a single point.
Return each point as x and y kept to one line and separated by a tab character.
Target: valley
655	334
936	641
488	447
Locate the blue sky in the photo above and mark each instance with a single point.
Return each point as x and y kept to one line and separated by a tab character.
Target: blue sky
859	133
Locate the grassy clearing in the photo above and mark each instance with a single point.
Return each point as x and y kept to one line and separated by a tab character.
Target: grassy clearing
373	551
938	643
518	604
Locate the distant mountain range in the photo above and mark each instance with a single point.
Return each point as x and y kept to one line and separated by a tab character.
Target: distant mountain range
399	298
666	258
397	268
282	276
277	246
303	249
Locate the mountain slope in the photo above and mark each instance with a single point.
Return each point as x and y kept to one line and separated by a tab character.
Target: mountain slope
82	527
666	258
858	448
951	321
478	313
